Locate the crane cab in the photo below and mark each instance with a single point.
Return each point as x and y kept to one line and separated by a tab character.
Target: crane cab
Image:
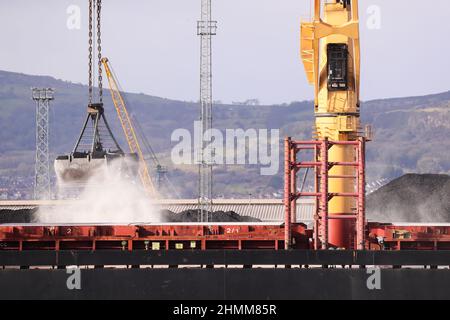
337	58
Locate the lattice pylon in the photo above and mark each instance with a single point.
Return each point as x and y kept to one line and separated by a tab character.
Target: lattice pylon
206	28
42	97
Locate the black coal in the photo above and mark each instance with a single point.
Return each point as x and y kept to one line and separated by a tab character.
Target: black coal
28	216
217	216
412	198
17	216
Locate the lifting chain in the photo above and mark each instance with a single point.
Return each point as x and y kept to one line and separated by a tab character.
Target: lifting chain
92	5
99	49
90	52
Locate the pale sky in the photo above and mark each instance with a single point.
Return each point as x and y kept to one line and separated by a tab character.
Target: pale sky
154	48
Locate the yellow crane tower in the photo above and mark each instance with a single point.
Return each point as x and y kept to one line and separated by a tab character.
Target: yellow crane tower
128	129
330	50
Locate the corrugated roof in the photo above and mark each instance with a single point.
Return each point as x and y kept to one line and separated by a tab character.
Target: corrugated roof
264	212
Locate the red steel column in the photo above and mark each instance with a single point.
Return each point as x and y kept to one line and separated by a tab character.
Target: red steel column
324	193
287	193
317	202
361	221
293	178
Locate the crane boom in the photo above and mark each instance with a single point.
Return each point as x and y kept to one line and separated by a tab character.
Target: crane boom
128	129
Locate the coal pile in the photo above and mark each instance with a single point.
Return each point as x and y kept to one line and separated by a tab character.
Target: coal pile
194	216
28	216
17	216
412	198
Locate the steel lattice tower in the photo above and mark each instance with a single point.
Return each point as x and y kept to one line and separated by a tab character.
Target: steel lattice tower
42	97
206	28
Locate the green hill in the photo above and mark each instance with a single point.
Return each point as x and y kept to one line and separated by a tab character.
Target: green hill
411	134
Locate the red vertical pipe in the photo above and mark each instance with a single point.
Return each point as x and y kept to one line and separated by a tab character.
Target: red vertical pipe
317	202
294	170
324	192
287	193
361	194
354	225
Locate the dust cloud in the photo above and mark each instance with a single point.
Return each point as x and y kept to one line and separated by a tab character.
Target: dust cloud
108	196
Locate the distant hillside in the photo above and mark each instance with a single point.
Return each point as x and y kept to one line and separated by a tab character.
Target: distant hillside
411	133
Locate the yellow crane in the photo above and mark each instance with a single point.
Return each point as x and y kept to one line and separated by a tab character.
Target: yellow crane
330	50
128	129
